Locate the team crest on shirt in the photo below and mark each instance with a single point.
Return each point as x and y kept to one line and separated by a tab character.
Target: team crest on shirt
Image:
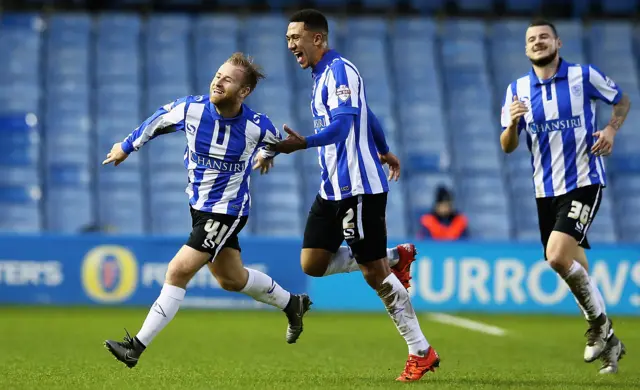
610	82
343	92
576	90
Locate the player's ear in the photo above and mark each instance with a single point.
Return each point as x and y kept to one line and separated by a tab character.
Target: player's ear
245	91
318	39
559	43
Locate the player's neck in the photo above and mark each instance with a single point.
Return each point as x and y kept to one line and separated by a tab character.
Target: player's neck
318	58
548	71
228	111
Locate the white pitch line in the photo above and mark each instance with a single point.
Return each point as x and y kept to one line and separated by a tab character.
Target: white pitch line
467	324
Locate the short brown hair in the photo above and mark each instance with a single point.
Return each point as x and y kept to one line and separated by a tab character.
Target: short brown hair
253	72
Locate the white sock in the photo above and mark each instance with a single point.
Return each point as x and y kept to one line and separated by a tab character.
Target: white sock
598	296
263	288
396	299
161	313
344	262
579	282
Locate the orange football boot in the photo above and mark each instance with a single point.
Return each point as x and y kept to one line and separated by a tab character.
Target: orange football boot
417	366
407	255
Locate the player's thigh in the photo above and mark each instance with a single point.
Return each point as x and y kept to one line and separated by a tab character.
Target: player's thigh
364	227
322	236
211	232
575	212
184	265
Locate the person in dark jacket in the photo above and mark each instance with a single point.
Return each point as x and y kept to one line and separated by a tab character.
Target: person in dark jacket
444	222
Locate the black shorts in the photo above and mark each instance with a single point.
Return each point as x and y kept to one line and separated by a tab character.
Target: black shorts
570	213
359	220
211	231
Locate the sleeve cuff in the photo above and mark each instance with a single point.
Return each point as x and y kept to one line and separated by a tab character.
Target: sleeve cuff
127	147
344	110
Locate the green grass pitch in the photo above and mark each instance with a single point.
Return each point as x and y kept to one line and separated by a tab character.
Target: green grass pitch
44	348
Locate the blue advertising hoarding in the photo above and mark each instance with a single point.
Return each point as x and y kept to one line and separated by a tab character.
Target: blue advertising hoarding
493	277
447	277
80	270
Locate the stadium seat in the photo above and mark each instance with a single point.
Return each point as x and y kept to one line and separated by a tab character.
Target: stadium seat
69	192
19	149
427	6
475	5
422	190
20	209
619	7
423	28
523	6
121	208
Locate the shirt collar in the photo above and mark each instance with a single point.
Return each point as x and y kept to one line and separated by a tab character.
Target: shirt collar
561	73
218	117
324	62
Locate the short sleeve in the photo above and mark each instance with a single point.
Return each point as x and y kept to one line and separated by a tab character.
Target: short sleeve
602	87
343	87
505	117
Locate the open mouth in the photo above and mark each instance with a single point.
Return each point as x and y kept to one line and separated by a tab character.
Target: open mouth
299	56
218	92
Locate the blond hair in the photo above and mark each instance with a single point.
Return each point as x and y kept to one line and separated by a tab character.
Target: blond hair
253	72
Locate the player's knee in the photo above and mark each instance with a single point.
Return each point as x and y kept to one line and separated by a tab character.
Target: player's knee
315	262
558	260
178	275
560	252
375	272
312	269
231	284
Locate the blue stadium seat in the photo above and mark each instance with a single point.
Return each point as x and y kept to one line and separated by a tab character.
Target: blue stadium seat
476	155
121	207
422	190
427	6
489	226
619	7
19	150
379	4
68	194
208	25
397	222
475	5
523	5
367	26
169	204
421	27
482	192
210	54
20	209
464	29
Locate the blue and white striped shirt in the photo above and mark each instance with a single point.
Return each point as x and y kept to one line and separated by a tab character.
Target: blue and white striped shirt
218	153
560	124
351	167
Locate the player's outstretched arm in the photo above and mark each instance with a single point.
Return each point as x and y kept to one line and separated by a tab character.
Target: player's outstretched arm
337	131
167	119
